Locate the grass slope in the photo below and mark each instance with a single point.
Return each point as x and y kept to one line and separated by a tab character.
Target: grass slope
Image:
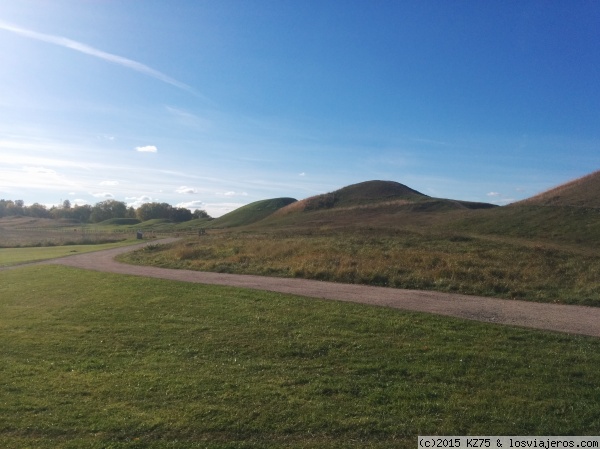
250	213
19	222
98	360
581	192
576	226
119	222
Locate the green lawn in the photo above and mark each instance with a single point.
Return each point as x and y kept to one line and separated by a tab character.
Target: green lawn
98	360
15	256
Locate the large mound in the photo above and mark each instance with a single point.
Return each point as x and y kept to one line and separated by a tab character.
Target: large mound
364	193
581	192
250	213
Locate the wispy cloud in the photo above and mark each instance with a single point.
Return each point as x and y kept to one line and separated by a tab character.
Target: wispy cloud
103	195
147	149
109	183
231	193
192	205
189	119
39	171
499	198
88	50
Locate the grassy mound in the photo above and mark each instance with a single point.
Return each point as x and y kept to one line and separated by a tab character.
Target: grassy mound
250	213
363	193
119	222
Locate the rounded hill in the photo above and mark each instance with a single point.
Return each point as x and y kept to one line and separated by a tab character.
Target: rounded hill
250	213
363	193
370	191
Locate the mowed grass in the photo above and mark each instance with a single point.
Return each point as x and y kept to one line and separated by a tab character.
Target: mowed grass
15	256
98	360
505	267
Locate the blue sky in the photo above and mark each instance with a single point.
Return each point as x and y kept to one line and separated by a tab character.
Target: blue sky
215	104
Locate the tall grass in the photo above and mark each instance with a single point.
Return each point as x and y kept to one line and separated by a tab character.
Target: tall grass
403	259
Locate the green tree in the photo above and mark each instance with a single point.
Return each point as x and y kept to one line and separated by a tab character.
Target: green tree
38	211
130	212
4	206
82	213
150	211
181	214
108	209
9	208
200	214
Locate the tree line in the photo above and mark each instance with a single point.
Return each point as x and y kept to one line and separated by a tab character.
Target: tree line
104	210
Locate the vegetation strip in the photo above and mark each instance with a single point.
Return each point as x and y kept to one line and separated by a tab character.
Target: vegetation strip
556	317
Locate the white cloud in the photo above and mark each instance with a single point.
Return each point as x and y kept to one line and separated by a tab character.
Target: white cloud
192	205
302	174
36	177
107	195
109	183
147	149
186	190
136	202
83	48
79	202
493	194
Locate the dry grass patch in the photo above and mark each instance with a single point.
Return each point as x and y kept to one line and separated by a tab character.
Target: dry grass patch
403	259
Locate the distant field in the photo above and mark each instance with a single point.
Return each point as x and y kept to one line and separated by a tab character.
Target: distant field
32	237
97	360
15	256
506	267
21	234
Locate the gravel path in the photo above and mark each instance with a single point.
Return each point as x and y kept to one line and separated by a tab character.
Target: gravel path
554	317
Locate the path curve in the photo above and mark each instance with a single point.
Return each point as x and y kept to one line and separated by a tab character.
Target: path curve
555	317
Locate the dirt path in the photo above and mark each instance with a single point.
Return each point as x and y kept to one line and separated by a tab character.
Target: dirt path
555	317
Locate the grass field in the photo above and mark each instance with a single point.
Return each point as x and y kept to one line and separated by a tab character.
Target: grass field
26	232
16	256
505	267
46	237
98	360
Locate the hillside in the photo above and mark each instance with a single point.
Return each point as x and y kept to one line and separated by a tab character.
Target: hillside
364	193
371	204
250	213
569	213
581	192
